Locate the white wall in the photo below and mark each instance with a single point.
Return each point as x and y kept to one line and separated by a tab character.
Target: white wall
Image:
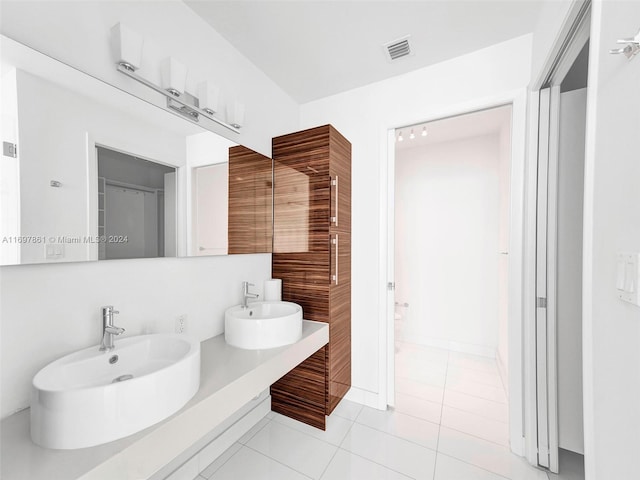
611	328
49	310
573	107
447	217
364	115
77	33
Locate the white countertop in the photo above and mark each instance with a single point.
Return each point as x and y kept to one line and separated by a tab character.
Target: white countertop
230	377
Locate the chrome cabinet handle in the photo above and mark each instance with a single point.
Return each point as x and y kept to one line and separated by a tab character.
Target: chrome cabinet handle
334	277
334	183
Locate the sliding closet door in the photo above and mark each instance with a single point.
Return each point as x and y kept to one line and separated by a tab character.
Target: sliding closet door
546	370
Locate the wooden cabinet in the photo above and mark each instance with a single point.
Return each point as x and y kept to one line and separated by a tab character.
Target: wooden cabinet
312	256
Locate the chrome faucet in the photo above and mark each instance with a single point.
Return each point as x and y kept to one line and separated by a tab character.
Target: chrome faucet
246	295
109	330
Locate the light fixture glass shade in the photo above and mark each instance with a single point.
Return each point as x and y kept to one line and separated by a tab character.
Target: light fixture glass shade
208	95
424	131
126	46
235	114
400	138
412	135
174	76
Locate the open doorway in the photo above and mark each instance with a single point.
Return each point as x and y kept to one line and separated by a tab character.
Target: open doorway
452	214
559	258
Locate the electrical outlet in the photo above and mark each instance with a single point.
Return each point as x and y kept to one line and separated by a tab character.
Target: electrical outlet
181	324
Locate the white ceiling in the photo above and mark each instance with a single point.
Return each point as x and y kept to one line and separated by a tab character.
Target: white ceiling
484	122
313	49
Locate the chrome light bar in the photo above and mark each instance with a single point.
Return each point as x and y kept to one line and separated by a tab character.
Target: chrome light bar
175	103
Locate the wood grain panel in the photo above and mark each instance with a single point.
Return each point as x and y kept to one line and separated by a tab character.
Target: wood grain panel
302	268
250	201
314	299
302	393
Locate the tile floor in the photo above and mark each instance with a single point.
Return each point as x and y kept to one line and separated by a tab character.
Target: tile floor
449	423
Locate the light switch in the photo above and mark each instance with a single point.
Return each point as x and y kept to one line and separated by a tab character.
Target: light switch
627	277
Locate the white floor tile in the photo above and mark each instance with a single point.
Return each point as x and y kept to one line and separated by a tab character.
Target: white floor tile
416	407
497	432
403	426
479	406
221	460
337	428
448	468
422	374
297	450
347	409
250	465
496	394
486	455
488	378
347	466
418	389
255	429
395	453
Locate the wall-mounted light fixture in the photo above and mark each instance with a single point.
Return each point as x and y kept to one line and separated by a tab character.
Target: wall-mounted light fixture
400	137
235	114
412	135
127	47
174	76
424	131
208	95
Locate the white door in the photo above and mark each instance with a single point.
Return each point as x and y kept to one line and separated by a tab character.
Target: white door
546	378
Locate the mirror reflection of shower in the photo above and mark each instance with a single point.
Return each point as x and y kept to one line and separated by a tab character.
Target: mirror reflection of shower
136	207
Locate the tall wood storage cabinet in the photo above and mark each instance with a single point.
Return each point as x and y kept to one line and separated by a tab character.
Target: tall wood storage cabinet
312	256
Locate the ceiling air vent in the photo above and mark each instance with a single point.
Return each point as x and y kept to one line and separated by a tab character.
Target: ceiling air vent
398	48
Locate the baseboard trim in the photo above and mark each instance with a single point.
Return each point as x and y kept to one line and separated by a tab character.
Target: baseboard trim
366	397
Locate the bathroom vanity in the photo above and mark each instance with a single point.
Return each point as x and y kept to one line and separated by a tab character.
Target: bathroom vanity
230	379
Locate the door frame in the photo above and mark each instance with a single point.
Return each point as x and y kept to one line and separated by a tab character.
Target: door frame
544	102
518	99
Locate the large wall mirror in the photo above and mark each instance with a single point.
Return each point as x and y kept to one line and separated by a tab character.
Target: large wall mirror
90	172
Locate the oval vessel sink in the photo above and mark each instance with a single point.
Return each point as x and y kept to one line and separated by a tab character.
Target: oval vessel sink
91	397
263	325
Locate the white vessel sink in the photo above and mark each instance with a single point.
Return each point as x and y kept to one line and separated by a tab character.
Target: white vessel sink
91	397
263	325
